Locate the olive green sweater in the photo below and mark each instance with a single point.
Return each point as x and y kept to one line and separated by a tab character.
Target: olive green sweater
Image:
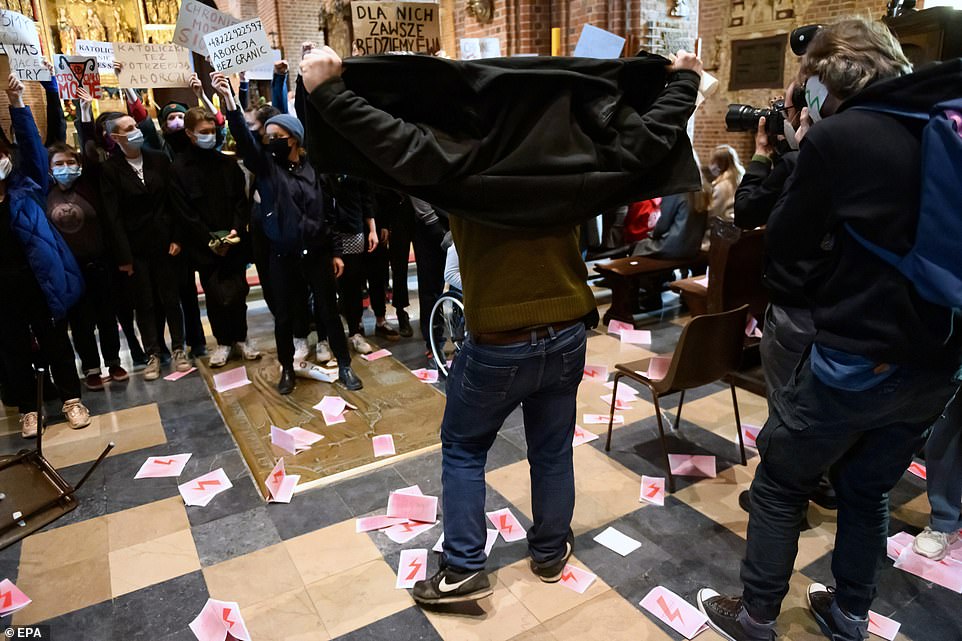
519	278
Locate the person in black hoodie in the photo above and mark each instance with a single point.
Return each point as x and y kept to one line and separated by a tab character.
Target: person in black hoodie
134	186
208	196
880	368
299	228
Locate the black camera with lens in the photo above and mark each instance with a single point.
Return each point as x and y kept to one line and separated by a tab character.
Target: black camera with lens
746	117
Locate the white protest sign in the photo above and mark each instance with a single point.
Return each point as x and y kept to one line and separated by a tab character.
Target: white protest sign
102	51
383	27
22	46
152	65
598	43
17	29
74	72
266	70
239	47
195	21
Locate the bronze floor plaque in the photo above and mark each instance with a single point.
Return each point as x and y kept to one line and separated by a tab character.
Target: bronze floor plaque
393	401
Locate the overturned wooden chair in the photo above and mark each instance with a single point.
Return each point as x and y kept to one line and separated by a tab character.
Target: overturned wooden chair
34	493
709	349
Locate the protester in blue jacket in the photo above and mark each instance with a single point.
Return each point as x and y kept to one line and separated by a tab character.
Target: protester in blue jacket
37	271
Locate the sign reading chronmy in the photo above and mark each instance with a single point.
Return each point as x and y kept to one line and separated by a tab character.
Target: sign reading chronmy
239	47
382	27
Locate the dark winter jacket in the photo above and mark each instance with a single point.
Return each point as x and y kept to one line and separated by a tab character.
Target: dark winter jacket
862	168
207	194
138	211
509	141
296	212
48	255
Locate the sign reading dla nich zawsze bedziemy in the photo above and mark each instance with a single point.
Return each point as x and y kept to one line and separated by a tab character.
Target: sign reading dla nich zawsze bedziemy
239	47
384	27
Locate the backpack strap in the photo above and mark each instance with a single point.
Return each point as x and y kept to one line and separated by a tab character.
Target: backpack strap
891	258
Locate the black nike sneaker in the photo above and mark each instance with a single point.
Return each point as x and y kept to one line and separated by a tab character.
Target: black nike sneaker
451	586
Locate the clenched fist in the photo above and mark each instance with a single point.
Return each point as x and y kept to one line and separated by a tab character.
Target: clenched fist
319	66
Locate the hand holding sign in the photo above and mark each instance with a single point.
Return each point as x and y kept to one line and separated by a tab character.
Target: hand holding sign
319	66
74	72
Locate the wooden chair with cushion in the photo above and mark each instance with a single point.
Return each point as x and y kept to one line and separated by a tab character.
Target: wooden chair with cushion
709	349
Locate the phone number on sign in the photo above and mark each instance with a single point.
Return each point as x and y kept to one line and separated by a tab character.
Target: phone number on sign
239	31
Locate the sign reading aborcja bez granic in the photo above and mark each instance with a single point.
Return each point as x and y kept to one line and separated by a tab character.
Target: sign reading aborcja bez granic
383	27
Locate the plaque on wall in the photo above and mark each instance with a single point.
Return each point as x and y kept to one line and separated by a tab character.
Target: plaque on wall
758	63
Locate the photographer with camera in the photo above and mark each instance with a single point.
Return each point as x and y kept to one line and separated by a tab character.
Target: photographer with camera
880	367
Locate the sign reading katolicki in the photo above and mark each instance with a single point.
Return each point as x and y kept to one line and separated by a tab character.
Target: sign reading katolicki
387	27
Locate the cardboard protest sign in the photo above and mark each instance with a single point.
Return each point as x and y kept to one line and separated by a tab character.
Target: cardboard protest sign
195	21
383	27
74	72
265	71
239	47
152	65
102	51
21	44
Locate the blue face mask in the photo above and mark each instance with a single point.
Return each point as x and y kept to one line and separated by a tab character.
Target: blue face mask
66	175
205	141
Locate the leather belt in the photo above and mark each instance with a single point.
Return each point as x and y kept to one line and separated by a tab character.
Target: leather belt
522	335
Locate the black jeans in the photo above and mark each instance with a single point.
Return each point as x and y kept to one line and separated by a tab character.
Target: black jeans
375	273
124	307
27	312
430	258
315	268
399	253
225	292
183	272
157	274
95	311
867	439
351	287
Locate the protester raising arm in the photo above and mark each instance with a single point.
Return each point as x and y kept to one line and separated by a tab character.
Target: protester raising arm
56	122
254	157
279	86
33	155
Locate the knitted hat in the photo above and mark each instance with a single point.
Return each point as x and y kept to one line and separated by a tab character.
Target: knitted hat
291	124
170	108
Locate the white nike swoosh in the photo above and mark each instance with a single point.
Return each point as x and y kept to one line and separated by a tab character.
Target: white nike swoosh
444	586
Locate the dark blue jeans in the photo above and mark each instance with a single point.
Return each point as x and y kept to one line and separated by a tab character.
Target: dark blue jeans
867	439
486	383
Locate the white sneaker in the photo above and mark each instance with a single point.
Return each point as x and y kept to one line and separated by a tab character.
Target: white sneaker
152	370
934	545
28	425
360	345
246	348
180	360
219	356
323	351
301	350
76	414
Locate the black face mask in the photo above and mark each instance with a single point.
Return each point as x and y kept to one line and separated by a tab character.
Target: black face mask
279	149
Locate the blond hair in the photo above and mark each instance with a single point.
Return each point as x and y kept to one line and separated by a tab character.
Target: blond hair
851	54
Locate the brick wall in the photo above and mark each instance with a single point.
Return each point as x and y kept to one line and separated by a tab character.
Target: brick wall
715	33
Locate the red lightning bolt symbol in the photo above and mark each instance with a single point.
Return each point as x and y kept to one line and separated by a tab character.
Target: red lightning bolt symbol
169	461
568	576
201	484
7	598
504	523
668	613
407	526
749	435
416	568
654	490
278	475
230	624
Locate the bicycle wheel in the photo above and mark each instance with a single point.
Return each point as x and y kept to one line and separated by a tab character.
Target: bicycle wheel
447	329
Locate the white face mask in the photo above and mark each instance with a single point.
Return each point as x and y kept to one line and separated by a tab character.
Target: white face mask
206	141
790	135
815	96
6	166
